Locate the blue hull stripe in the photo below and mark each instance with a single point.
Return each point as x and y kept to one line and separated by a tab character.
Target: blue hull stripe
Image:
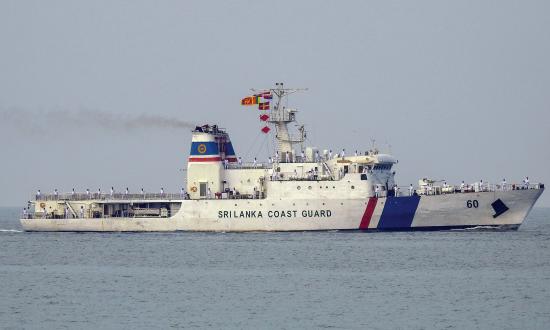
398	212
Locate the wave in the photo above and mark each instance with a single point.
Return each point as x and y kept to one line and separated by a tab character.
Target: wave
10	231
478	228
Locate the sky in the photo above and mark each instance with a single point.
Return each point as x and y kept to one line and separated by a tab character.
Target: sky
95	94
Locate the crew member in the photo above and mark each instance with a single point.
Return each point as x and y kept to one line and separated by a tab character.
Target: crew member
38	194
255	162
503	184
462	186
526	182
161	191
240	162
209	193
411	190
182	192
112	191
377	191
127	191
82	211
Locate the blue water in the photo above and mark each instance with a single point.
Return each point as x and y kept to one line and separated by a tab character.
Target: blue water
412	280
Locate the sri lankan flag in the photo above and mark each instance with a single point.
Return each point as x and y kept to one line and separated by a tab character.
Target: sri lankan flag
250	100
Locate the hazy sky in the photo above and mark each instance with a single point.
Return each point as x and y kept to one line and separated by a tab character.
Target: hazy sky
458	90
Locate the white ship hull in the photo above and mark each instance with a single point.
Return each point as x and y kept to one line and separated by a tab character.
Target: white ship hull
438	212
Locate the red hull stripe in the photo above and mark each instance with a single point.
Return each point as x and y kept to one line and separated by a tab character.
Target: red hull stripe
206	159
368	213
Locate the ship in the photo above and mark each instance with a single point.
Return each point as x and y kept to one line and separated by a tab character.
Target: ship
298	188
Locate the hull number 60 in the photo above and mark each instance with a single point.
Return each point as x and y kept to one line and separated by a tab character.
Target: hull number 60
472	203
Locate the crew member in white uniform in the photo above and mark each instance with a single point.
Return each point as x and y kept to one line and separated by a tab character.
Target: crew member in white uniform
112	191
411	190
330	154
182	192
161	191
503	184
88	193
55	192
81	211
127	191
255	162
24	215
240	162
377	191
526	182
462	186
209	193
142	192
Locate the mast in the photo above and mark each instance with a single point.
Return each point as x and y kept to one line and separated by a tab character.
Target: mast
281	116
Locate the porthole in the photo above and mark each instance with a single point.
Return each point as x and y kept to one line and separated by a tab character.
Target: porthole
352	187
309	187
235	204
298	187
333	187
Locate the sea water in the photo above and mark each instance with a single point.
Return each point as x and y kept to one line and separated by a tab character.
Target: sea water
346	280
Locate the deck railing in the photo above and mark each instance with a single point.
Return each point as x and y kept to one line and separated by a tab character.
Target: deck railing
107	196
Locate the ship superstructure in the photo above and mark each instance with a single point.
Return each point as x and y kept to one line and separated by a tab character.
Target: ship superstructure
298	188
